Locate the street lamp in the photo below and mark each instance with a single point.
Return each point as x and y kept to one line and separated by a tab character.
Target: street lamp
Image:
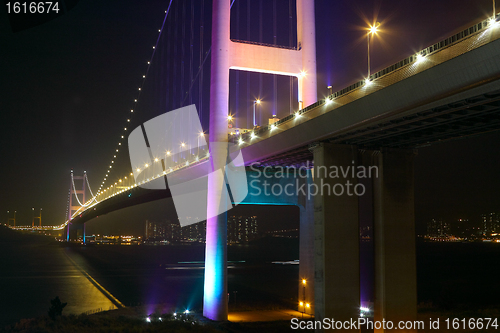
372	31
304	294
202	135
254	104
329	90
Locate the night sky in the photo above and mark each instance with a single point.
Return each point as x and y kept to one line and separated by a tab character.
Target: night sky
67	88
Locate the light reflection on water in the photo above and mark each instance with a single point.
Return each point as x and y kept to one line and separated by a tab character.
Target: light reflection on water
36	270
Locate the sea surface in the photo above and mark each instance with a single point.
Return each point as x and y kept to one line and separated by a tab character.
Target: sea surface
35	269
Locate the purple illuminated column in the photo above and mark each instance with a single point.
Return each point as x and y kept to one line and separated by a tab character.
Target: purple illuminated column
306	36
215	291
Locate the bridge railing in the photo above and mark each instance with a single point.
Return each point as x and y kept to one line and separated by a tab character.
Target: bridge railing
456	38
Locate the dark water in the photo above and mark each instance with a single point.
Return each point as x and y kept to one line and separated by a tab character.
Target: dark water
35	269
459	275
152	274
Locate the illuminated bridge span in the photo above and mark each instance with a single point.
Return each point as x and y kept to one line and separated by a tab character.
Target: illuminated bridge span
446	91
384	112
458	87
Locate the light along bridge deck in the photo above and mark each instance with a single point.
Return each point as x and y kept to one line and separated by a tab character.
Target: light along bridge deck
445	91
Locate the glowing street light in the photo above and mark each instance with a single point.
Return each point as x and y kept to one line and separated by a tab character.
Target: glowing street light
371	31
420	58
257	101
229	118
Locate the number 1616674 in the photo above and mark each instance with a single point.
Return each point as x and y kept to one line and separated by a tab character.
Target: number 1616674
32	7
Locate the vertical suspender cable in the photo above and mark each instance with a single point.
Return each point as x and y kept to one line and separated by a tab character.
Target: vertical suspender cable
183	22
261	27
275	77
176	39
191	48
237	94
290	43
200	85
249	98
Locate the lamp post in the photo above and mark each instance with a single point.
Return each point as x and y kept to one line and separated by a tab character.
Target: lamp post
304	296
329	90
200	136
254	104
372	31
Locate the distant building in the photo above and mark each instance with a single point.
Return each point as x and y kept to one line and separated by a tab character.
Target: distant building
155	230
438	228
193	232
241	229
490	224
459	228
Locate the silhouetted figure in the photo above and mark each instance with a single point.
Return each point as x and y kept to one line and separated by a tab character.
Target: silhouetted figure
56	308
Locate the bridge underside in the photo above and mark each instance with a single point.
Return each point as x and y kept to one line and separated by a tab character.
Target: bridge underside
467	117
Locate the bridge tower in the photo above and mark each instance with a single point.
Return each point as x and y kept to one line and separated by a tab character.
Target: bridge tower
11	219
39	217
226	55
72	209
